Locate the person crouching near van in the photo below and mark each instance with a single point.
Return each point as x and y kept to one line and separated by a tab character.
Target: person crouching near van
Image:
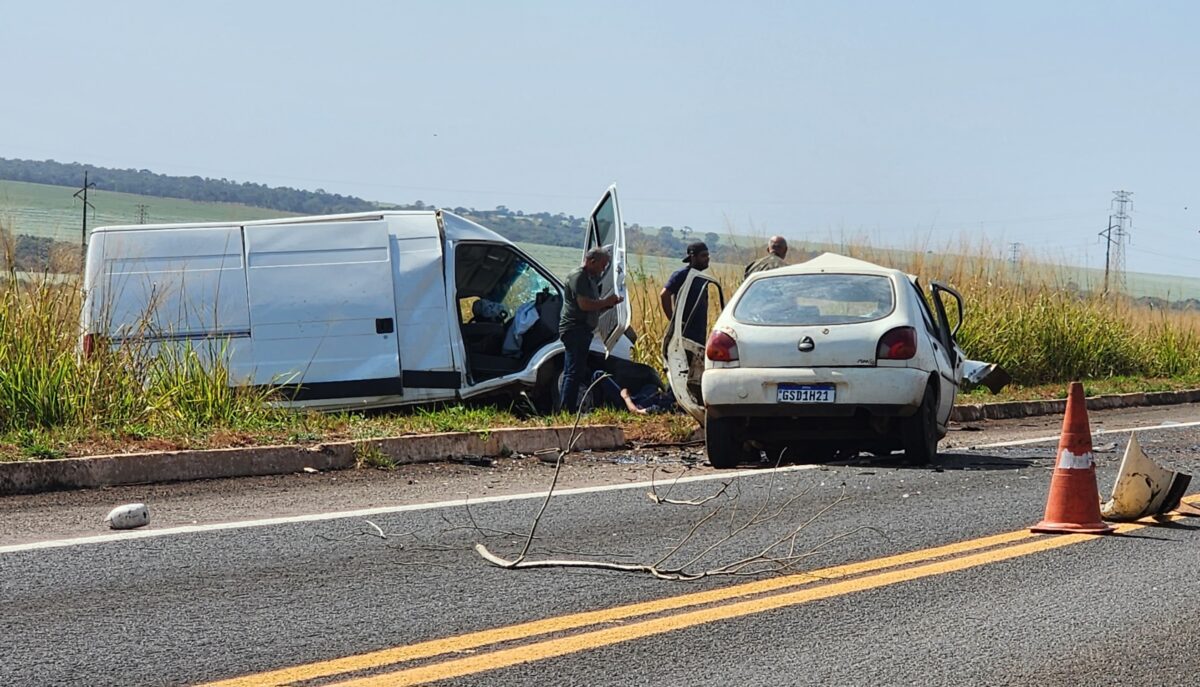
582	306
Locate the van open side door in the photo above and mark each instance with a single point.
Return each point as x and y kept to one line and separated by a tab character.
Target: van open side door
605	229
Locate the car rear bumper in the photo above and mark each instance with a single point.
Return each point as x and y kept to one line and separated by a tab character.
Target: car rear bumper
873	391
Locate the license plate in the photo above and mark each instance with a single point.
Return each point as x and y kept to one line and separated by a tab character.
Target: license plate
805	393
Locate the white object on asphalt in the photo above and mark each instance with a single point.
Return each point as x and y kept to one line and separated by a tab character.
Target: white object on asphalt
128	517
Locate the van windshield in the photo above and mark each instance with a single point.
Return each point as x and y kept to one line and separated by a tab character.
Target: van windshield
816	299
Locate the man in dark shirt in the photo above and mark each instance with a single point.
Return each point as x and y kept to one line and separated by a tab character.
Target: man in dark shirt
776	252
695	311
580	315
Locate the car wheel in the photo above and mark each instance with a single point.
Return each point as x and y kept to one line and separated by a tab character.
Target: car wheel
723	442
920	431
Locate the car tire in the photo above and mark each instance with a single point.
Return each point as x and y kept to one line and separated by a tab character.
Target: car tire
722	442
920	433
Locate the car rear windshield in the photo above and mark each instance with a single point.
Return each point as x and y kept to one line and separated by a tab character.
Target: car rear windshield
816	299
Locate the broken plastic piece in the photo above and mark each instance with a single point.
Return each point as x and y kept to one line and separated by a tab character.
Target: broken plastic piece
1143	487
990	375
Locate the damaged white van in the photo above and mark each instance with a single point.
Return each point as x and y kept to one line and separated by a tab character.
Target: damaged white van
350	311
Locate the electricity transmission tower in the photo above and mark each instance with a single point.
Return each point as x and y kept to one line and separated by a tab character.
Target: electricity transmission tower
142	208
1014	255
1119	224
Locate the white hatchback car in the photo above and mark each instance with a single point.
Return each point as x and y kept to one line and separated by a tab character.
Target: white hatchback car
831	354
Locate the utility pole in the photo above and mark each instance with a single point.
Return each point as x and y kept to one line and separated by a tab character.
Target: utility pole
142	208
1119	224
1014	255
83	192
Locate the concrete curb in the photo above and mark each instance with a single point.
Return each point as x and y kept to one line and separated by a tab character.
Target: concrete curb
1018	409
177	466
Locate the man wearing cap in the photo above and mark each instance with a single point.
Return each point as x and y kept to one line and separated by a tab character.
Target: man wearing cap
577	326
776	252
695	312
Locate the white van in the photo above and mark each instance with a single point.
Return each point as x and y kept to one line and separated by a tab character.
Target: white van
358	310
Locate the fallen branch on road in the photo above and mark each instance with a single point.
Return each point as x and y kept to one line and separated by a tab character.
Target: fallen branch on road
780	555
653	493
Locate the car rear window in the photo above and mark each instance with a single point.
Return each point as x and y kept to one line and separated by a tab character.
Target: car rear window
814	299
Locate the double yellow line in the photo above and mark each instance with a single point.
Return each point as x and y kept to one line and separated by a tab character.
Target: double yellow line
634	621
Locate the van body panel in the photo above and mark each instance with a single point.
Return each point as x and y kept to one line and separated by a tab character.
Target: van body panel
189	283
317	309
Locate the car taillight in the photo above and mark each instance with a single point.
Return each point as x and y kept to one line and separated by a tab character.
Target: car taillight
721	347
898	344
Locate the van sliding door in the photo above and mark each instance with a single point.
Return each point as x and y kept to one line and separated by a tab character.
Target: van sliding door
322	308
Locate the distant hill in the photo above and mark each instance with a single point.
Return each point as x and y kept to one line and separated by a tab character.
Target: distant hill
147	183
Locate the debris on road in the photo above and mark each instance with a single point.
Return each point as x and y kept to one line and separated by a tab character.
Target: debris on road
476	461
128	517
1143	487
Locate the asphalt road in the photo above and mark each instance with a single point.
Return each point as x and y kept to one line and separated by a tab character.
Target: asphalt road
896	576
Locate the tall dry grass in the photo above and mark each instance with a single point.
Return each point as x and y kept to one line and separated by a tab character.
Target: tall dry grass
1030	320
46	382
1028	317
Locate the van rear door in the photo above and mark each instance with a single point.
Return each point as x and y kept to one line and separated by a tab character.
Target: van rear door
604	229
322	308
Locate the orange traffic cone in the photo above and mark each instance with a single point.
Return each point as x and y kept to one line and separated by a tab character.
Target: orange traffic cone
1074	503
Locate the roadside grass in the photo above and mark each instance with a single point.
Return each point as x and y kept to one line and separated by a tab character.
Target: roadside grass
307	428
56	402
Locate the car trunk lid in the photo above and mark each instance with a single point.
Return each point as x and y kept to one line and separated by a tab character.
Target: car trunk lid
847	345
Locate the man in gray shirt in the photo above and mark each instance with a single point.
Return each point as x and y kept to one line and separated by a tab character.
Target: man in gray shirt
776	252
580	315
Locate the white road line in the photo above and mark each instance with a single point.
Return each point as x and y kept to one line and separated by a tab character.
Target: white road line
317	517
1024	442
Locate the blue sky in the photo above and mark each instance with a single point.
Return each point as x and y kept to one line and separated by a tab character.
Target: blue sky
911	124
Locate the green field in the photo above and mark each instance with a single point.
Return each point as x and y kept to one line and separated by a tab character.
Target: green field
52	212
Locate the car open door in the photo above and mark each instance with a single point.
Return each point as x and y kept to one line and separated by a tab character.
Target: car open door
949	335
699	302
604	229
